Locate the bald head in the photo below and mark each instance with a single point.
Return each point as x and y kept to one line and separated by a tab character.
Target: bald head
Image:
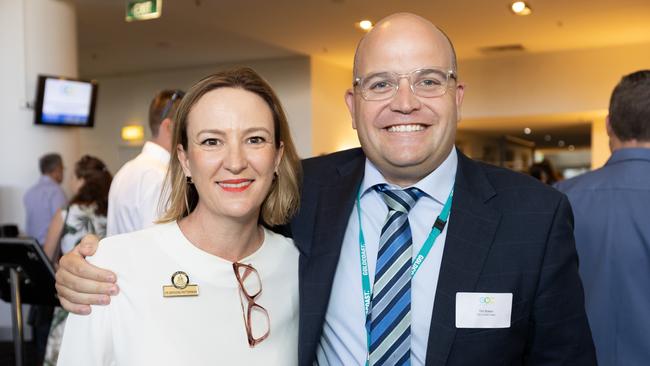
406	135
400	27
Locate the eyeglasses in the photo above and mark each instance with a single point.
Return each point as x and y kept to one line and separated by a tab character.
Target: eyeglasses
256	318
178	94
427	83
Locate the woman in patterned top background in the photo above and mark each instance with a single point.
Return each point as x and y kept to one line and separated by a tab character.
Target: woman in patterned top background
86	214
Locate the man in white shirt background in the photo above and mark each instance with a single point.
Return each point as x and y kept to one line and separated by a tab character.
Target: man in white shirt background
134	201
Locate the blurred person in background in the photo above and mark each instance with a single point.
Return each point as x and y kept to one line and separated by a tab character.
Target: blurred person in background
85	214
45	197
134	198
545	172
611	206
42	201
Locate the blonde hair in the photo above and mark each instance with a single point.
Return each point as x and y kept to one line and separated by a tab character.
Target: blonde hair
283	199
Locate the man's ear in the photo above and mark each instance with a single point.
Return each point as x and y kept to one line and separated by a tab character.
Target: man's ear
349	101
168	125
614	142
608	126
460	94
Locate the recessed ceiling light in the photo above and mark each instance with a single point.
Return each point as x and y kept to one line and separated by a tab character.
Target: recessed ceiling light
547	137
572	147
366	25
520	8
560	143
527	131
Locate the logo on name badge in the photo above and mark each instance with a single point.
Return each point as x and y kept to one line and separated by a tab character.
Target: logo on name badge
180	286
487	300
180	279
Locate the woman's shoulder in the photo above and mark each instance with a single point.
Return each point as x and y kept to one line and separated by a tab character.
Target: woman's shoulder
137	244
277	262
276	237
279	242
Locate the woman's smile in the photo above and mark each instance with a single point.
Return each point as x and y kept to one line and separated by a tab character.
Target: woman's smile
235	185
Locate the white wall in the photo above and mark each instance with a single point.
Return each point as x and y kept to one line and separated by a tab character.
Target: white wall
600	151
331	122
551	84
27	50
36	37
547	83
124	99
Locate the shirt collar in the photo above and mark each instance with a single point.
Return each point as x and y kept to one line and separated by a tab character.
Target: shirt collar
632	153
46	179
436	185
156	151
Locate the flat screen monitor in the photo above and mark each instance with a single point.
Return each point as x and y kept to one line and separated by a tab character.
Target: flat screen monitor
34	268
65	102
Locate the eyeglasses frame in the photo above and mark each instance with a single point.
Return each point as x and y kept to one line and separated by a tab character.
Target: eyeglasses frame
252	341
451	74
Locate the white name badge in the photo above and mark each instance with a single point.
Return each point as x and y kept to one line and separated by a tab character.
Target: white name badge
483	310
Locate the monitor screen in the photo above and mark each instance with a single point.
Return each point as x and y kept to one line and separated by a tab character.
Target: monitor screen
65	102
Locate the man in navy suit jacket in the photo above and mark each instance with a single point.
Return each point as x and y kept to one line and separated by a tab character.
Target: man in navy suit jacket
500	285
507	233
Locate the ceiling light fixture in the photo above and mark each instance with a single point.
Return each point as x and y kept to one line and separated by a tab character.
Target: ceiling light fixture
520	8
527	131
366	25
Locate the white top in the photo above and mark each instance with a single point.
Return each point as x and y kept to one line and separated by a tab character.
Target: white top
344	339
135	191
141	327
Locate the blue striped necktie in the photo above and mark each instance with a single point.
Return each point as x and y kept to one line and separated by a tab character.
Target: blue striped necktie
389	321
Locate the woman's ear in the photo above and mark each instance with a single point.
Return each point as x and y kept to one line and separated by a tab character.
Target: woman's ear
278	156
183	160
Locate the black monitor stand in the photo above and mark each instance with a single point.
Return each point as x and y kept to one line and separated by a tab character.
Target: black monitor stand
26	277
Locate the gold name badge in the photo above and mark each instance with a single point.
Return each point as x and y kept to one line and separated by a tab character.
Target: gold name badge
180	286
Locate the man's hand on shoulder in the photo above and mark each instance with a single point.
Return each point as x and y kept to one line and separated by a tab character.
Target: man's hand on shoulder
79	284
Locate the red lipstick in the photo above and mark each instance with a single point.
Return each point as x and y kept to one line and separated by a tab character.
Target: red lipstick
235	185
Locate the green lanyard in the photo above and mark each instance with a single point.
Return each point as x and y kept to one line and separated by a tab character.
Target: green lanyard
437	228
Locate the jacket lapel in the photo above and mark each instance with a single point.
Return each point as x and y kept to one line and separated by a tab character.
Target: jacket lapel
472	227
320	251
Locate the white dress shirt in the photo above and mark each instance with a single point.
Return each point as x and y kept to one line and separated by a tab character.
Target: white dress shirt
344	339
133	200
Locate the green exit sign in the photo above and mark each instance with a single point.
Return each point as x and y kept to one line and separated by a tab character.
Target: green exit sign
143	9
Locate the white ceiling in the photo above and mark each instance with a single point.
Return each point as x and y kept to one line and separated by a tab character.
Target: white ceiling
201	32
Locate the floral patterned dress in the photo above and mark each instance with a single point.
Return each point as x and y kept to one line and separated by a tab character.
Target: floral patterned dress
79	220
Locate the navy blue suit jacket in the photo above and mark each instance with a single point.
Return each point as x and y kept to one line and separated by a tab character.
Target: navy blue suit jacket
507	234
